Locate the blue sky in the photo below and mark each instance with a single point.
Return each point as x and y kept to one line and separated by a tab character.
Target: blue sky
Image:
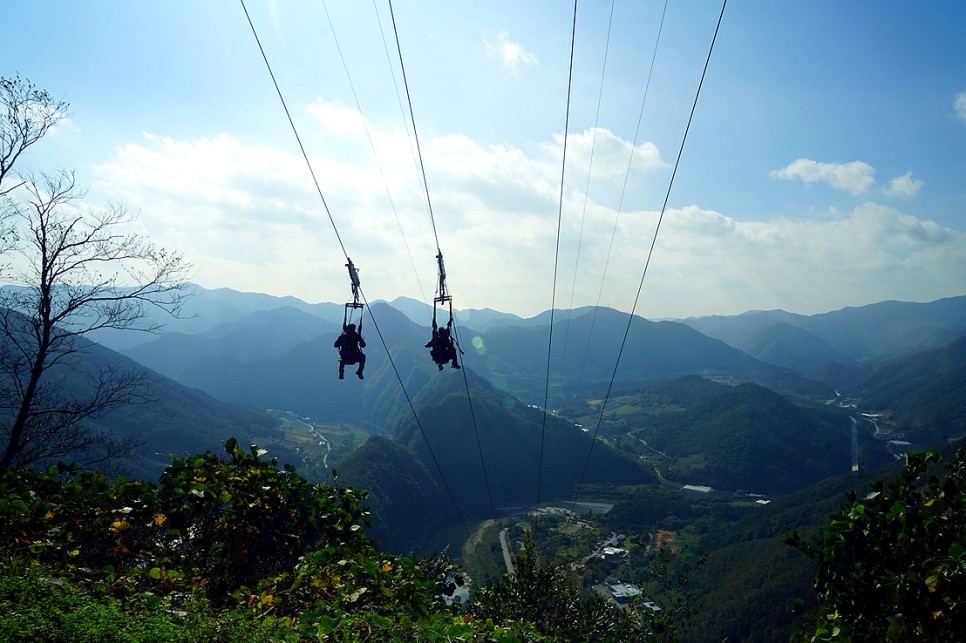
824	167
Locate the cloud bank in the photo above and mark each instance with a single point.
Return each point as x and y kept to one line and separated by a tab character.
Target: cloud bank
249	218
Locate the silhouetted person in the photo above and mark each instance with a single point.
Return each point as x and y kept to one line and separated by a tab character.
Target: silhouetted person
350	345
442	348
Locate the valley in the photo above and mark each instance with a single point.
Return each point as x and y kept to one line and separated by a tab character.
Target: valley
693	468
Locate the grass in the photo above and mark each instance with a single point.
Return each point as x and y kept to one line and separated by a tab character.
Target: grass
35	605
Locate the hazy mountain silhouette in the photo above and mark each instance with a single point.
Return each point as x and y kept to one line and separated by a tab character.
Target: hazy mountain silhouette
258	360
481	319
303	378
254	337
206	309
866	334
793	347
585	349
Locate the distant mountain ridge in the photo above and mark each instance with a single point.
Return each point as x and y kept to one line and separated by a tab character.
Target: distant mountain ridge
874	332
206	309
283	358
256	336
586	347
869	334
851	338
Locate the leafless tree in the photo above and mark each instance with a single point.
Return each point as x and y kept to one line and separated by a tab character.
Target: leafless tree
70	271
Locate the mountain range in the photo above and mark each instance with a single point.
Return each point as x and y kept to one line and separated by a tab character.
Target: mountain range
864	335
836	348
761	408
763	403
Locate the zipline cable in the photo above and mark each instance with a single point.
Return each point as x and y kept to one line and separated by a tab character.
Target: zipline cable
372	146
402	110
295	131
356	286
442	285
583	212
650	252
556	254
476	430
419	149
419	424
620	205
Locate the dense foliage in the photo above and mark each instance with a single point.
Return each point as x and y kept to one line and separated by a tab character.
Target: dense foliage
211	523
892	563
237	549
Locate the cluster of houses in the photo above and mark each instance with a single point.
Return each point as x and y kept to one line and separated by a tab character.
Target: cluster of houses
619	592
627	594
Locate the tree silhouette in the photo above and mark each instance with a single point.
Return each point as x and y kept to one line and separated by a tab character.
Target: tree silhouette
70	270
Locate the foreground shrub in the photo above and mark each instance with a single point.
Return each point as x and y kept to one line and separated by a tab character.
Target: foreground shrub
211	523
892	564
232	522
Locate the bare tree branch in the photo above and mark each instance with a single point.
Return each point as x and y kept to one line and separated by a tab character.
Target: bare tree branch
26	114
80	271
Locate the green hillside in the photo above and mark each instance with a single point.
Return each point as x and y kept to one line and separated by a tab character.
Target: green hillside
505	441
733	437
923	396
404	497
179	420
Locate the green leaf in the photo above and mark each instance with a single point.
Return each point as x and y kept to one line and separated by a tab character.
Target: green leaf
354	596
898	508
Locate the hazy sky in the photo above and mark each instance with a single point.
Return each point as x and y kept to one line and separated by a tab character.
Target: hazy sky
825	166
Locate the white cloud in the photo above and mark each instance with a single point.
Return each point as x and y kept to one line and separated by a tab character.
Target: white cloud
248	218
959	104
511	54
855	177
904	186
609	153
873	254
273	11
